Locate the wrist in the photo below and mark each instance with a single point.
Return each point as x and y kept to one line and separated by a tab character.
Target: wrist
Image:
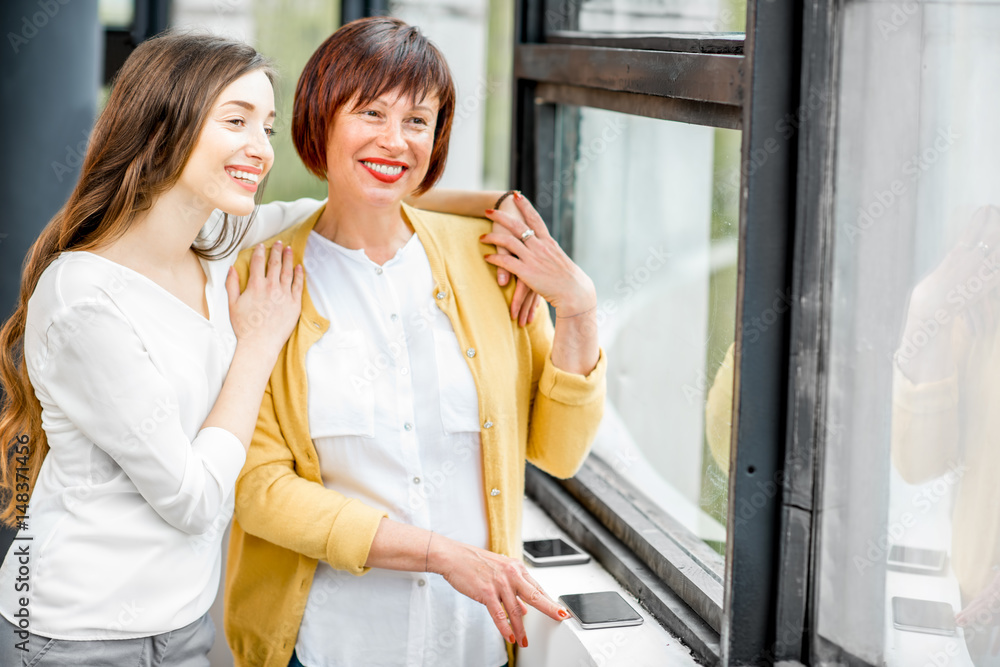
258	351
436	558
579	304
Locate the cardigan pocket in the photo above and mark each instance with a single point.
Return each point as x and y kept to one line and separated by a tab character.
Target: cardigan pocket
341	393
459	397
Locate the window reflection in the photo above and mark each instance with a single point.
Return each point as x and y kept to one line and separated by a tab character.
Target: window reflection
655	224
910	514
646	16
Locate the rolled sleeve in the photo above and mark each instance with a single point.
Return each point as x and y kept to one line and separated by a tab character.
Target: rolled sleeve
224	456
358	523
573	388
927	397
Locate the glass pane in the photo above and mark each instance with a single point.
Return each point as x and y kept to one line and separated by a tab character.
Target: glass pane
911	503
655	224
646	16
116	13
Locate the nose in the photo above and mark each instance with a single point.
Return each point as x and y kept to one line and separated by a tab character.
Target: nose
259	147
390	138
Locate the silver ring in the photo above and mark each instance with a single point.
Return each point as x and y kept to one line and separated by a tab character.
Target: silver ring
528	233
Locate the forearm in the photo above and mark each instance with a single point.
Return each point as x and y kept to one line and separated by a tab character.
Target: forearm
456	202
239	401
398	546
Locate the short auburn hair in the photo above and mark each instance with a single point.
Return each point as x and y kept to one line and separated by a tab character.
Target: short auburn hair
368	58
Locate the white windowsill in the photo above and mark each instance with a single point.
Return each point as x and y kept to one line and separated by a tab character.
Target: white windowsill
552	644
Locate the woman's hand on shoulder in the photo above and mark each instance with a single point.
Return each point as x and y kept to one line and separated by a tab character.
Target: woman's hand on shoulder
525	300
537	260
500	583
265	313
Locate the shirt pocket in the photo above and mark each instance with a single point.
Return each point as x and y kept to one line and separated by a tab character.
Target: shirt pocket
457	389
341	398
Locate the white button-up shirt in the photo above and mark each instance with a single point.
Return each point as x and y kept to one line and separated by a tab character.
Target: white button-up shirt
124	529
394	416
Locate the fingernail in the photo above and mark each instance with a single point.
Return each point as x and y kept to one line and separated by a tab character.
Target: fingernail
278	242
524	643
490	210
482	236
563	614
518	195
512	639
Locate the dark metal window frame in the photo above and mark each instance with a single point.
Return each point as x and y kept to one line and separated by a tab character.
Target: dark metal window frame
753	616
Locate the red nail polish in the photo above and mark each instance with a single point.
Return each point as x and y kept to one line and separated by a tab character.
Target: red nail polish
482	236
490	210
518	195
524	643
512	639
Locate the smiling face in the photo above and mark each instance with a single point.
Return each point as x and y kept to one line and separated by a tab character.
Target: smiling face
377	154
233	152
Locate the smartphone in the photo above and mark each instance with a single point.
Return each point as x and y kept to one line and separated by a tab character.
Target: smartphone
607	609
545	553
930	616
916	560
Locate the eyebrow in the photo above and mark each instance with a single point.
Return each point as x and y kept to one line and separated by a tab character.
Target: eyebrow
247	106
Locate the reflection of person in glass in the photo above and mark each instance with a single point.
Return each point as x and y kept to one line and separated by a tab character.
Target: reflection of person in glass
946	391
392	437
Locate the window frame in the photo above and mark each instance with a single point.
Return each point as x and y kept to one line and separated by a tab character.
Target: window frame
722	81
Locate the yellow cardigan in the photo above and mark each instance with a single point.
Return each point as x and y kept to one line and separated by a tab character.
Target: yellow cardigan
286	520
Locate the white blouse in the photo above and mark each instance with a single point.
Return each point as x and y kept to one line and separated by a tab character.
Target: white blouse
394	416
123	533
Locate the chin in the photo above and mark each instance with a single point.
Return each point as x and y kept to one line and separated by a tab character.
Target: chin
241	208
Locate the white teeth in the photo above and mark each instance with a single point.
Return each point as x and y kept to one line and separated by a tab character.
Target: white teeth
384	168
242	175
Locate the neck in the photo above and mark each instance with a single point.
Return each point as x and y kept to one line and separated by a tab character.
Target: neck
378	230
162	235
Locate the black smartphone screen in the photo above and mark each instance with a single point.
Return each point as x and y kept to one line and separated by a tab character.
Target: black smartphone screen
923	615
549	548
603	607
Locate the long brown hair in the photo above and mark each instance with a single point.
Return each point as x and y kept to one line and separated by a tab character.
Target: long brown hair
137	151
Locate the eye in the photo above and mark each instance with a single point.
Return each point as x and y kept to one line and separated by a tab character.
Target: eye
269	131
370	113
237	121
420	121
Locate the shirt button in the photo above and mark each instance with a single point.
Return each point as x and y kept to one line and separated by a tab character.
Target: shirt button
440	295
416	480
408	426
488	425
495	492
378	270
421	582
404	371
471	352
394	317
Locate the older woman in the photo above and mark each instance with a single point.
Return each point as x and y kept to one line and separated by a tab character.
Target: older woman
392	437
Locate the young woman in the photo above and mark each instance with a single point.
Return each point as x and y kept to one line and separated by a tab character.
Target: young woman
133	367
392	437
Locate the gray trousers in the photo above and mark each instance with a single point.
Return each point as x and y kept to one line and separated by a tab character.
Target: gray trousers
184	647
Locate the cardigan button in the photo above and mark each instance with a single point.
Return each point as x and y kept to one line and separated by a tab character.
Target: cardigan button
440	295
488	425
471	352
495	492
